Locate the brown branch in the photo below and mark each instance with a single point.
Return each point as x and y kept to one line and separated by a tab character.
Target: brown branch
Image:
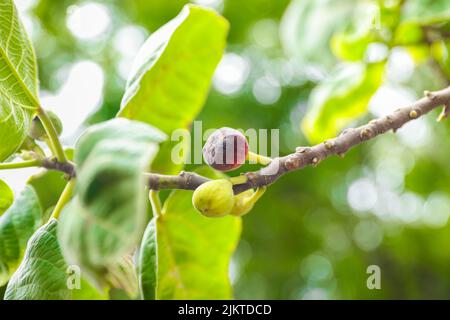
52	164
347	139
184	180
303	156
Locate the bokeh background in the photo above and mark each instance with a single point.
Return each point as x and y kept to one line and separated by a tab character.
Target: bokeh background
316	231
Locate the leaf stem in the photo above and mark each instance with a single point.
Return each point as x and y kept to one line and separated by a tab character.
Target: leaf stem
22	164
50	146
54	143
65	197
155	201
239	179
259	159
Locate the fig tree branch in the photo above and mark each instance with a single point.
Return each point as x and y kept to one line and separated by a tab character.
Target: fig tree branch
303	156
349	138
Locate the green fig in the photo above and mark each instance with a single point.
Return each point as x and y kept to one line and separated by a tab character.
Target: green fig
37	130
244	202
214	198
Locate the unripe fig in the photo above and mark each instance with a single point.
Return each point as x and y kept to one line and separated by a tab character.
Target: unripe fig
244	202
37	130
226	149
214	198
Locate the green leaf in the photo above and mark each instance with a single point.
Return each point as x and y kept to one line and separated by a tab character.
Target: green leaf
19	86
6	197
340	99
193	251
408	34
426	12
122	275
42	273
147	267
17	225
171	76
88	292
351	43
106	218
48	186
308	25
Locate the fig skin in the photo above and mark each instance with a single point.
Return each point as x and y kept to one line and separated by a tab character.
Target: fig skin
241	207
214	198
226	149
245	201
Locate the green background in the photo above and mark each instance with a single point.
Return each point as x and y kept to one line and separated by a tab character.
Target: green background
316	231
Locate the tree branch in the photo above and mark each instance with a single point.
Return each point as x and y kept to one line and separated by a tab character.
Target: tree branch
303	156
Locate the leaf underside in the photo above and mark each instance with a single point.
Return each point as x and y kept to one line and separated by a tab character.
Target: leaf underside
6	197
147	267
18	85
42	273
106	218
17	225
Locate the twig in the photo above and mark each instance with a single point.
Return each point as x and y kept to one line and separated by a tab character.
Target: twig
303	156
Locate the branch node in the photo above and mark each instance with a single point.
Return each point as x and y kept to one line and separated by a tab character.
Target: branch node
365	134
302	149
292	163
329	145
430	95
389	119
315	161
413	114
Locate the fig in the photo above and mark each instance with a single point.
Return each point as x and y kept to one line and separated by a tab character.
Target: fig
214	198
244	202
226	149
37	130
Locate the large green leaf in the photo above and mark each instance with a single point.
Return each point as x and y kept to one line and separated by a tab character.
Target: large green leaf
340	99
184	255
352	42
147	267
17	225
42	273
107	217
18	85
308	25
122	275
193	252
172	73
6	197
88	292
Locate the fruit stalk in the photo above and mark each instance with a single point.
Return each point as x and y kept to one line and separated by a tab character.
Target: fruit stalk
54	143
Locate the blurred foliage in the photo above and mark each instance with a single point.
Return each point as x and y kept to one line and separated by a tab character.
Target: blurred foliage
194	251
316	231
